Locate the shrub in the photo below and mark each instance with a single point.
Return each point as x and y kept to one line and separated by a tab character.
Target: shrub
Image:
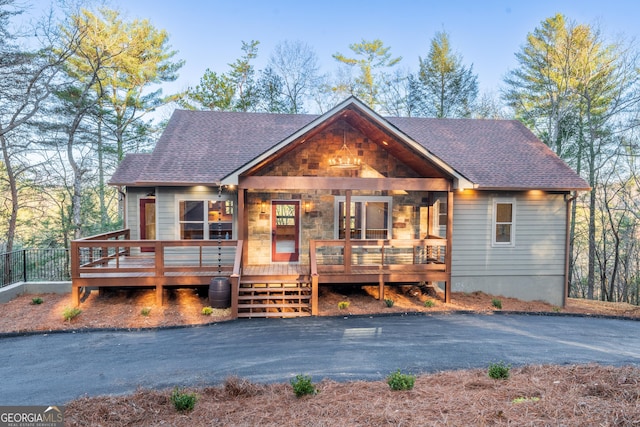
498	371
207	311
399	381
36	301
342	305
182	400
429	303
496	303
389	302
145	311
70	313
302	385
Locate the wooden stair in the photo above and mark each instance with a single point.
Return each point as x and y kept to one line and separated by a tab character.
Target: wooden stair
275	297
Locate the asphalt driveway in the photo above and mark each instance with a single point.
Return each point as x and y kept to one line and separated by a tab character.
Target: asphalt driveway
55	368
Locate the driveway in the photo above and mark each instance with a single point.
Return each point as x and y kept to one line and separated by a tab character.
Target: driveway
55	368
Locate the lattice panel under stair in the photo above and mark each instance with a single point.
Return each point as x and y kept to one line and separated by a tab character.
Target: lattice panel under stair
274	298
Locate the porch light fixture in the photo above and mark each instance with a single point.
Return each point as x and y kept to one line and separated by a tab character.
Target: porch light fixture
343	158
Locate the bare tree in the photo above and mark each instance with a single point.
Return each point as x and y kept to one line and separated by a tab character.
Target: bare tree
296	65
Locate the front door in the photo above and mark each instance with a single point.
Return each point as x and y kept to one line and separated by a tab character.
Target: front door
285	230
147	222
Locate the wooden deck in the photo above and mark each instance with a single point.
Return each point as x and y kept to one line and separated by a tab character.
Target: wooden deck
115	261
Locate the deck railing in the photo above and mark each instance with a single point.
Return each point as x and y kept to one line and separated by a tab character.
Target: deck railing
114	260
338	255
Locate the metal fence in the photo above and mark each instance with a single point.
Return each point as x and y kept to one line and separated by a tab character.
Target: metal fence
34	265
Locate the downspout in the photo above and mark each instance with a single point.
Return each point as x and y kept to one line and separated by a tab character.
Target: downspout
123	205
568	201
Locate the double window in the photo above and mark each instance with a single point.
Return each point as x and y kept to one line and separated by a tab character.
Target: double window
370	218
203	220
504	221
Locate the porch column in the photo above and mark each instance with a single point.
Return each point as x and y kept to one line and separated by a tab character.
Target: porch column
243	224
347	233
447	257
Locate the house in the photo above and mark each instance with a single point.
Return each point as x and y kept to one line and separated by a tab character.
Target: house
282	204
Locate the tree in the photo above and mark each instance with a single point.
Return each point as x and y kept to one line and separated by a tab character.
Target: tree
95	46
447	88
125	84
576	91
232	91
371	56
27	79
295	65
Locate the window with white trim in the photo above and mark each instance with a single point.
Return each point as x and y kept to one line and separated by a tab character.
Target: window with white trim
504	221
370	217
203	220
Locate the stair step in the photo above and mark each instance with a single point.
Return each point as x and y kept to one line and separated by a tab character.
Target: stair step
277	284
244	288
250	306
273	314
273	297
292	280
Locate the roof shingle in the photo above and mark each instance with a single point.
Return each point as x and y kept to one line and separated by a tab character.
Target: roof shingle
203	147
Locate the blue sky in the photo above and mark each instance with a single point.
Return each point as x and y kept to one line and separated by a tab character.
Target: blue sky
208	33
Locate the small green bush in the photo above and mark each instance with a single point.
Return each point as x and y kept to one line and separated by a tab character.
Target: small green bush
207	311
70	313
525	399
496	303
145	311
389	302
182	400
399	381
343	305
429	303
36	301
302	385
498	371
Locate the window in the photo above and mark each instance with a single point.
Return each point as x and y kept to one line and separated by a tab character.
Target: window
370	217
504	222
194	225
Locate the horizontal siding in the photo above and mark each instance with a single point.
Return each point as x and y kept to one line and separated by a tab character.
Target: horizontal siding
133	209
539	236
167	207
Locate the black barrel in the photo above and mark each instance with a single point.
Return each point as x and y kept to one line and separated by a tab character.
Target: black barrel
220	292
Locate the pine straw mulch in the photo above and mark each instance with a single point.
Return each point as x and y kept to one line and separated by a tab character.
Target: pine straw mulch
586	395
123	308
582	395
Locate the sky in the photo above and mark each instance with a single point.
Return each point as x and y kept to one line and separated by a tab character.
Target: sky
486	33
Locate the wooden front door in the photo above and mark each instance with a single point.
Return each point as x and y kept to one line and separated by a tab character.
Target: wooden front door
285	230
147	222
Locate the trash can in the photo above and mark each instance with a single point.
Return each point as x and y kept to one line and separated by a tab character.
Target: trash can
220	292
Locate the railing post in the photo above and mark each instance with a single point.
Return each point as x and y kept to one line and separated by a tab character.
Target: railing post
24	265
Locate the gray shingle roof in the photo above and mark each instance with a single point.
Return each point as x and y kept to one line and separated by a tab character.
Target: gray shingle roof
203	147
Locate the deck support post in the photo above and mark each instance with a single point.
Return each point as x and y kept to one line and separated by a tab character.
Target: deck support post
159	295
381	288
75	295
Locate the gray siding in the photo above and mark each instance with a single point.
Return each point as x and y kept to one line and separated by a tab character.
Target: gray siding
133	209
532	269
167	199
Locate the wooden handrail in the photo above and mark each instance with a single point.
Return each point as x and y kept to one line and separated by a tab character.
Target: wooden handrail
237	262
109	236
